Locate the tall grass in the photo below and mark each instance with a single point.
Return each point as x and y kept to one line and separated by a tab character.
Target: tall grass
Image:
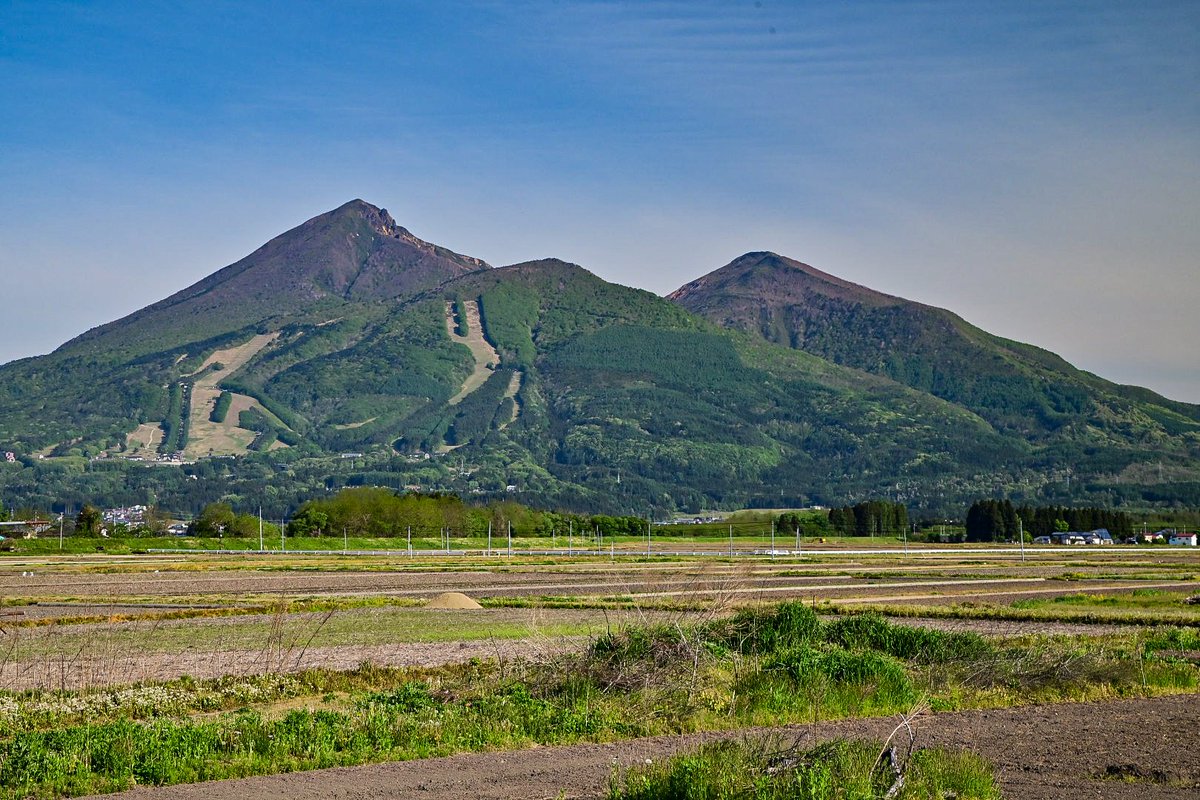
838	770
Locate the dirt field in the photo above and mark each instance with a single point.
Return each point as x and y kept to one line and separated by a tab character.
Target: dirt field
1118	750
1132	749
642	583
117	653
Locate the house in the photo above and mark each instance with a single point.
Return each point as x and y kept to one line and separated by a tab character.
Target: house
1098	536
1042	540
1069	537
1183	538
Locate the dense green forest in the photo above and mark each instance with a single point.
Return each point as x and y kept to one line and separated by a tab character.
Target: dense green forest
1000	520
870	518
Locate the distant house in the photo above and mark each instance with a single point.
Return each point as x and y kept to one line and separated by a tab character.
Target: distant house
1042	540
1183	538
1098	536
1069	537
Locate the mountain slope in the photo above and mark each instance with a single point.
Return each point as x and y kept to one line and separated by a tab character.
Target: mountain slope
1018	388
342	269
355	253
381	359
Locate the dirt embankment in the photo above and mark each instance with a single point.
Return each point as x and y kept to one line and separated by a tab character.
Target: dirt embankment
1118	750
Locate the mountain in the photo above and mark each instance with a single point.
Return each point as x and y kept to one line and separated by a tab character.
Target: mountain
1018	388
347	351
355	253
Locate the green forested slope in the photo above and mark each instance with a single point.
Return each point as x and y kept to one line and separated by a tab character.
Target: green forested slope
798	388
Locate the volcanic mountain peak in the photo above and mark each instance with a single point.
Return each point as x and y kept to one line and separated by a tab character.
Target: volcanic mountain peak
355	253
774	279
382	223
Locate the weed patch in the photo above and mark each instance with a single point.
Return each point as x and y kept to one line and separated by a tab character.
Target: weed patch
841	770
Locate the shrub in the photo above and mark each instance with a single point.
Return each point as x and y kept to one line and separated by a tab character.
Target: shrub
758	630
873	632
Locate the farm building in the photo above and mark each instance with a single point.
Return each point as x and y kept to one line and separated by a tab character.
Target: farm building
1183	538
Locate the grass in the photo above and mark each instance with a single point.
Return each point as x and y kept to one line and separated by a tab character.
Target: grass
1080	613
758	769
767	665
361	626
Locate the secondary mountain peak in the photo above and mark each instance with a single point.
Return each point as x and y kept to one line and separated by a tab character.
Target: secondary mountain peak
763	278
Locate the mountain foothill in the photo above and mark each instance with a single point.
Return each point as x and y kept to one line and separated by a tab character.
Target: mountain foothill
349	350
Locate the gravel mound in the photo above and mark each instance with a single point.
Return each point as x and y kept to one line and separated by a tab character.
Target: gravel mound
452	601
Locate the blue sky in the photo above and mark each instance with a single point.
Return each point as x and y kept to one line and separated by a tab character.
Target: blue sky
1034	167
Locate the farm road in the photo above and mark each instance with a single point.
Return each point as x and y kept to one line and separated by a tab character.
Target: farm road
1056	752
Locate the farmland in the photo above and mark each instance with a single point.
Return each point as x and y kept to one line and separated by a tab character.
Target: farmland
658	644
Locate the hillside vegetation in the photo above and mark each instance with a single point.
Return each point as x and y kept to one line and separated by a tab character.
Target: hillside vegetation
386	360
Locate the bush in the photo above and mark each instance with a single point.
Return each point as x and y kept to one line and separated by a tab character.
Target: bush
759	630
871	631
806	665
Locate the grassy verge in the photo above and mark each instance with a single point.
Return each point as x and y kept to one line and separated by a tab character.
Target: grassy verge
1082	613
767	666
763	769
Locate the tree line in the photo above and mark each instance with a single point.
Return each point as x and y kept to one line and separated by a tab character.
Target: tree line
869	518
996	520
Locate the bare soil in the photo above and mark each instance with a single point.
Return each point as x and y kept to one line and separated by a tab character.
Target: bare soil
1140	749
103	660
481	349
106	667
712	583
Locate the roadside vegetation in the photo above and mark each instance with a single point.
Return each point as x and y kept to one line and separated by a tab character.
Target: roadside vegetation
765	769
764	666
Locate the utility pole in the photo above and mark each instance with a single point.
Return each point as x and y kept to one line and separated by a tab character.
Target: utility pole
260	530
772	539
345	541
60	530
570	537
1021	535
489	537
510	537
410	541
731	541
647	536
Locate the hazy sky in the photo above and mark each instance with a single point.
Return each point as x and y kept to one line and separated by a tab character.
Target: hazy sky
1033	166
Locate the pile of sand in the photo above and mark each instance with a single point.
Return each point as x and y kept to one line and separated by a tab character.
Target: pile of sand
452	600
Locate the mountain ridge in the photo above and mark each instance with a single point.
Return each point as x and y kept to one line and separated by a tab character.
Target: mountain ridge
765	381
